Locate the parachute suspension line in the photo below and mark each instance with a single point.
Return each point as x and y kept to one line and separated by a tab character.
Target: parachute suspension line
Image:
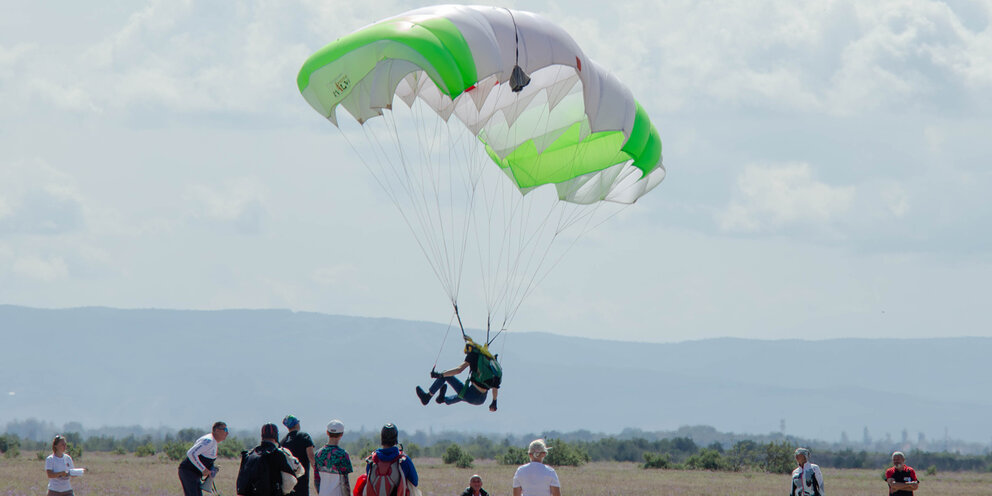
439	243
422	239
532	243
443	341
388	186
460	326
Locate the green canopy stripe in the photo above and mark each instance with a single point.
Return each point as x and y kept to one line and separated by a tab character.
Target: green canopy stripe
436	39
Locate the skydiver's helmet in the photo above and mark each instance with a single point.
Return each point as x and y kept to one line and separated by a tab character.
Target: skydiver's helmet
390	435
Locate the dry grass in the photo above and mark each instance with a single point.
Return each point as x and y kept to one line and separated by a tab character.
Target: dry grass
128	475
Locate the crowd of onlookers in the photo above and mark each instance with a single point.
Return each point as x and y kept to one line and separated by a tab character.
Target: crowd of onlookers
283	467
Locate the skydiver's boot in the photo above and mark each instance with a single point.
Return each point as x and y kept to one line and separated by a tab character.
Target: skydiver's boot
424	396
440	394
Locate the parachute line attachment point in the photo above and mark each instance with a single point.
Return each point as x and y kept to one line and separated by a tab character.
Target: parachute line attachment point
518	78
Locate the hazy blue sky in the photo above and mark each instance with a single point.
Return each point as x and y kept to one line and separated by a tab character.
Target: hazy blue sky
829	168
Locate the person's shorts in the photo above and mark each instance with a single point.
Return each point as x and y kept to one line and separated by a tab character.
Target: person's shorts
59	493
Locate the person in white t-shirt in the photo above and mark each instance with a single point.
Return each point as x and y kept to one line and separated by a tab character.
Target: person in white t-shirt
536	478
58	465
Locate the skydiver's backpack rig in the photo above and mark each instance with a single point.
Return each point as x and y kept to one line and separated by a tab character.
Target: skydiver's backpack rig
488	371
386	478
256	477
261	472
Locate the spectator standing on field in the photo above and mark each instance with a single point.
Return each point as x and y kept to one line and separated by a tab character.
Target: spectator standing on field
333	464
57	466
901	477
199	461
536	478
301	446
807	480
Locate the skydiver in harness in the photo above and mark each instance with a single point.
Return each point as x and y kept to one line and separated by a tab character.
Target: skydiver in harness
485	373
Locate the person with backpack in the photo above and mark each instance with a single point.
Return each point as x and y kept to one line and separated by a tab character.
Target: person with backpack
388	471
301	446
333	464
485	373
268	469
199	461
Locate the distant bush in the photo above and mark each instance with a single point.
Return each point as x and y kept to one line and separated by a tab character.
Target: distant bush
230	448
513	456
120	450
413	450
40	455
779	458
452	454
10	446
562	454
75	450
176	450
707	459
147	449
464	461
657	460
932	470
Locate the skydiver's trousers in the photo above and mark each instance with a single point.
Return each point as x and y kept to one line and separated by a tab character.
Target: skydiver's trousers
191	482
472	394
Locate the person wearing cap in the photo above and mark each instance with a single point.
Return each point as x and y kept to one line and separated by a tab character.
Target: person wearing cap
301	446
268	468
901	477
333	464
484	374
199	461
536	478
390	453
475	487
807	480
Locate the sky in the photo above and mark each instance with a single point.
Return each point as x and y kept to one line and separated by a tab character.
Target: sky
828	169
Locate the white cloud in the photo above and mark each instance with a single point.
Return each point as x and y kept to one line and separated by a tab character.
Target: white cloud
239	204
39	268
36	198
334	275
769	198
834	58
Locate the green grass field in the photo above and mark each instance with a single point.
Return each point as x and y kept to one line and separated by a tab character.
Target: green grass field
127	475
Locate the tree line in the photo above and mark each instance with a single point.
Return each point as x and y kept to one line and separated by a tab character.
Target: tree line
671	453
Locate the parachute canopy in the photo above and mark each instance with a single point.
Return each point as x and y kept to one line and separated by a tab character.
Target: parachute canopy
574	125
441	93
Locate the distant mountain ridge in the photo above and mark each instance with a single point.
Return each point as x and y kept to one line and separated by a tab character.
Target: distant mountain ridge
178	368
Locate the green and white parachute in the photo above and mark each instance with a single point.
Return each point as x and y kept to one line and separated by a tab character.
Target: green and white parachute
436	103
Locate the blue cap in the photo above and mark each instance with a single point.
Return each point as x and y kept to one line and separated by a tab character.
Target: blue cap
290	421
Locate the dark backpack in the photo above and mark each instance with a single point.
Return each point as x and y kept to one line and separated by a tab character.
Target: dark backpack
259	474
386	478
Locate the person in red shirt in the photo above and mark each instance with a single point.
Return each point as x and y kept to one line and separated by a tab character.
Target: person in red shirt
901	477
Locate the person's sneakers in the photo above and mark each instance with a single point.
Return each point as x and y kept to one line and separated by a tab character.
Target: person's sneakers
441	393
424	396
